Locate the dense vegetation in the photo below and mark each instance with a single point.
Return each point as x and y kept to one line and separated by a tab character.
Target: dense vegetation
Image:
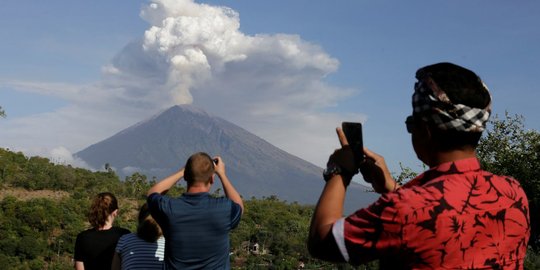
43	206
509	149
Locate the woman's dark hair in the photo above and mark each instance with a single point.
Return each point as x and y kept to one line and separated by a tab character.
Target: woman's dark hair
103	205
148	229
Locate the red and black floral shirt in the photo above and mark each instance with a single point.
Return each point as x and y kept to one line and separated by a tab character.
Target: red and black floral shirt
453	216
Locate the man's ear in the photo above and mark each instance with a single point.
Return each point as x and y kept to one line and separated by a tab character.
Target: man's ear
212	179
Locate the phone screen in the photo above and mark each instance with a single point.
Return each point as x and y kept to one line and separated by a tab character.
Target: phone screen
353	132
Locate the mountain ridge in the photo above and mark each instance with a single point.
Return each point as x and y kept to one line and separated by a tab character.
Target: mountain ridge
162	143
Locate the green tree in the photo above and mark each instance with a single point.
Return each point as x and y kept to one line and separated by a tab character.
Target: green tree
509	149
2	112
136	186
405	175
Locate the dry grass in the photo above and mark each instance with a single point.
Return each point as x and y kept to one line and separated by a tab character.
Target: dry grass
24	195
129	208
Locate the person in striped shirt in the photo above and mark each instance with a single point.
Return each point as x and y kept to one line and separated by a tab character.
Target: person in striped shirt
142	250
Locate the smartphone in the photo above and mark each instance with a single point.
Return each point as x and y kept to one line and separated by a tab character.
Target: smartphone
353	132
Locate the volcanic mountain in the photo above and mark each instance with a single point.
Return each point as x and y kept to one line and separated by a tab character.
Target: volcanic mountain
160	145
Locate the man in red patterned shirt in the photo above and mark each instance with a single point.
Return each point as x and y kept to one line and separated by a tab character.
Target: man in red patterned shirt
453	216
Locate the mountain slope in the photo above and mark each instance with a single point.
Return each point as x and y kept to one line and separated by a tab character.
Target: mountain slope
160	145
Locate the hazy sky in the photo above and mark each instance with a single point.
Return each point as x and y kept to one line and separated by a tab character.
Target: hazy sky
73	73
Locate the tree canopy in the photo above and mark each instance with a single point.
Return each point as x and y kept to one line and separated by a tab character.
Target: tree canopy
510	149
43	207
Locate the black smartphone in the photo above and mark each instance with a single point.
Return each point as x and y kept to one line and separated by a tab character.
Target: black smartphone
353	132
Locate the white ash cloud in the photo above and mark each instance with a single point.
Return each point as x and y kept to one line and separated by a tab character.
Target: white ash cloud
195	53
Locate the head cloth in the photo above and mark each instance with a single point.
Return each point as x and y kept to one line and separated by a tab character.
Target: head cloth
433	105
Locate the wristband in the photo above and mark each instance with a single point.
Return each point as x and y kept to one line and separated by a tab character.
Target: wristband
330	171
341	162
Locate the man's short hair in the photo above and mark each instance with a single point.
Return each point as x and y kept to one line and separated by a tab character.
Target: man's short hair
199	168
461	86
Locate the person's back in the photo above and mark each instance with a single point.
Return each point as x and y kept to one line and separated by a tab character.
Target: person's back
136	253
94	248
198	229
196	226
143	250
454	216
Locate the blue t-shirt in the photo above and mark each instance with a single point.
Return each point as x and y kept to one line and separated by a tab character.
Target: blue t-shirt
136	253
196	227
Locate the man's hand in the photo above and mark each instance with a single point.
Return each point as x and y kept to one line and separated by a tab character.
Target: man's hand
375	172
373	169
329	209
219	166
228	188
343	158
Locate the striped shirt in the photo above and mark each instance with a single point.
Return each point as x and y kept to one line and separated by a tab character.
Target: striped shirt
139	254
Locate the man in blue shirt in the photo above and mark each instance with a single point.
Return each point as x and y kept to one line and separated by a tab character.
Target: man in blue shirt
196	225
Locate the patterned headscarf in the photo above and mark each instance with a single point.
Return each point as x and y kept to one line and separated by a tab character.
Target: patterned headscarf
434	106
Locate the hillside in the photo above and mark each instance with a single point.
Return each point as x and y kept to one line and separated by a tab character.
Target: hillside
43	207
160	145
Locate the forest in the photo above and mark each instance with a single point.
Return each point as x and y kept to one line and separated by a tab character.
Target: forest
43	207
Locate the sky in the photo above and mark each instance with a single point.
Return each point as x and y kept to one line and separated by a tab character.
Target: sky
73	73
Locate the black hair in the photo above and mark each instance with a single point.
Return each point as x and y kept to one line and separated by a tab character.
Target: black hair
462	86
452	139
148	229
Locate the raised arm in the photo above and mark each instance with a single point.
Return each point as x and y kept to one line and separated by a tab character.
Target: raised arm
167	183
228	188
329	209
